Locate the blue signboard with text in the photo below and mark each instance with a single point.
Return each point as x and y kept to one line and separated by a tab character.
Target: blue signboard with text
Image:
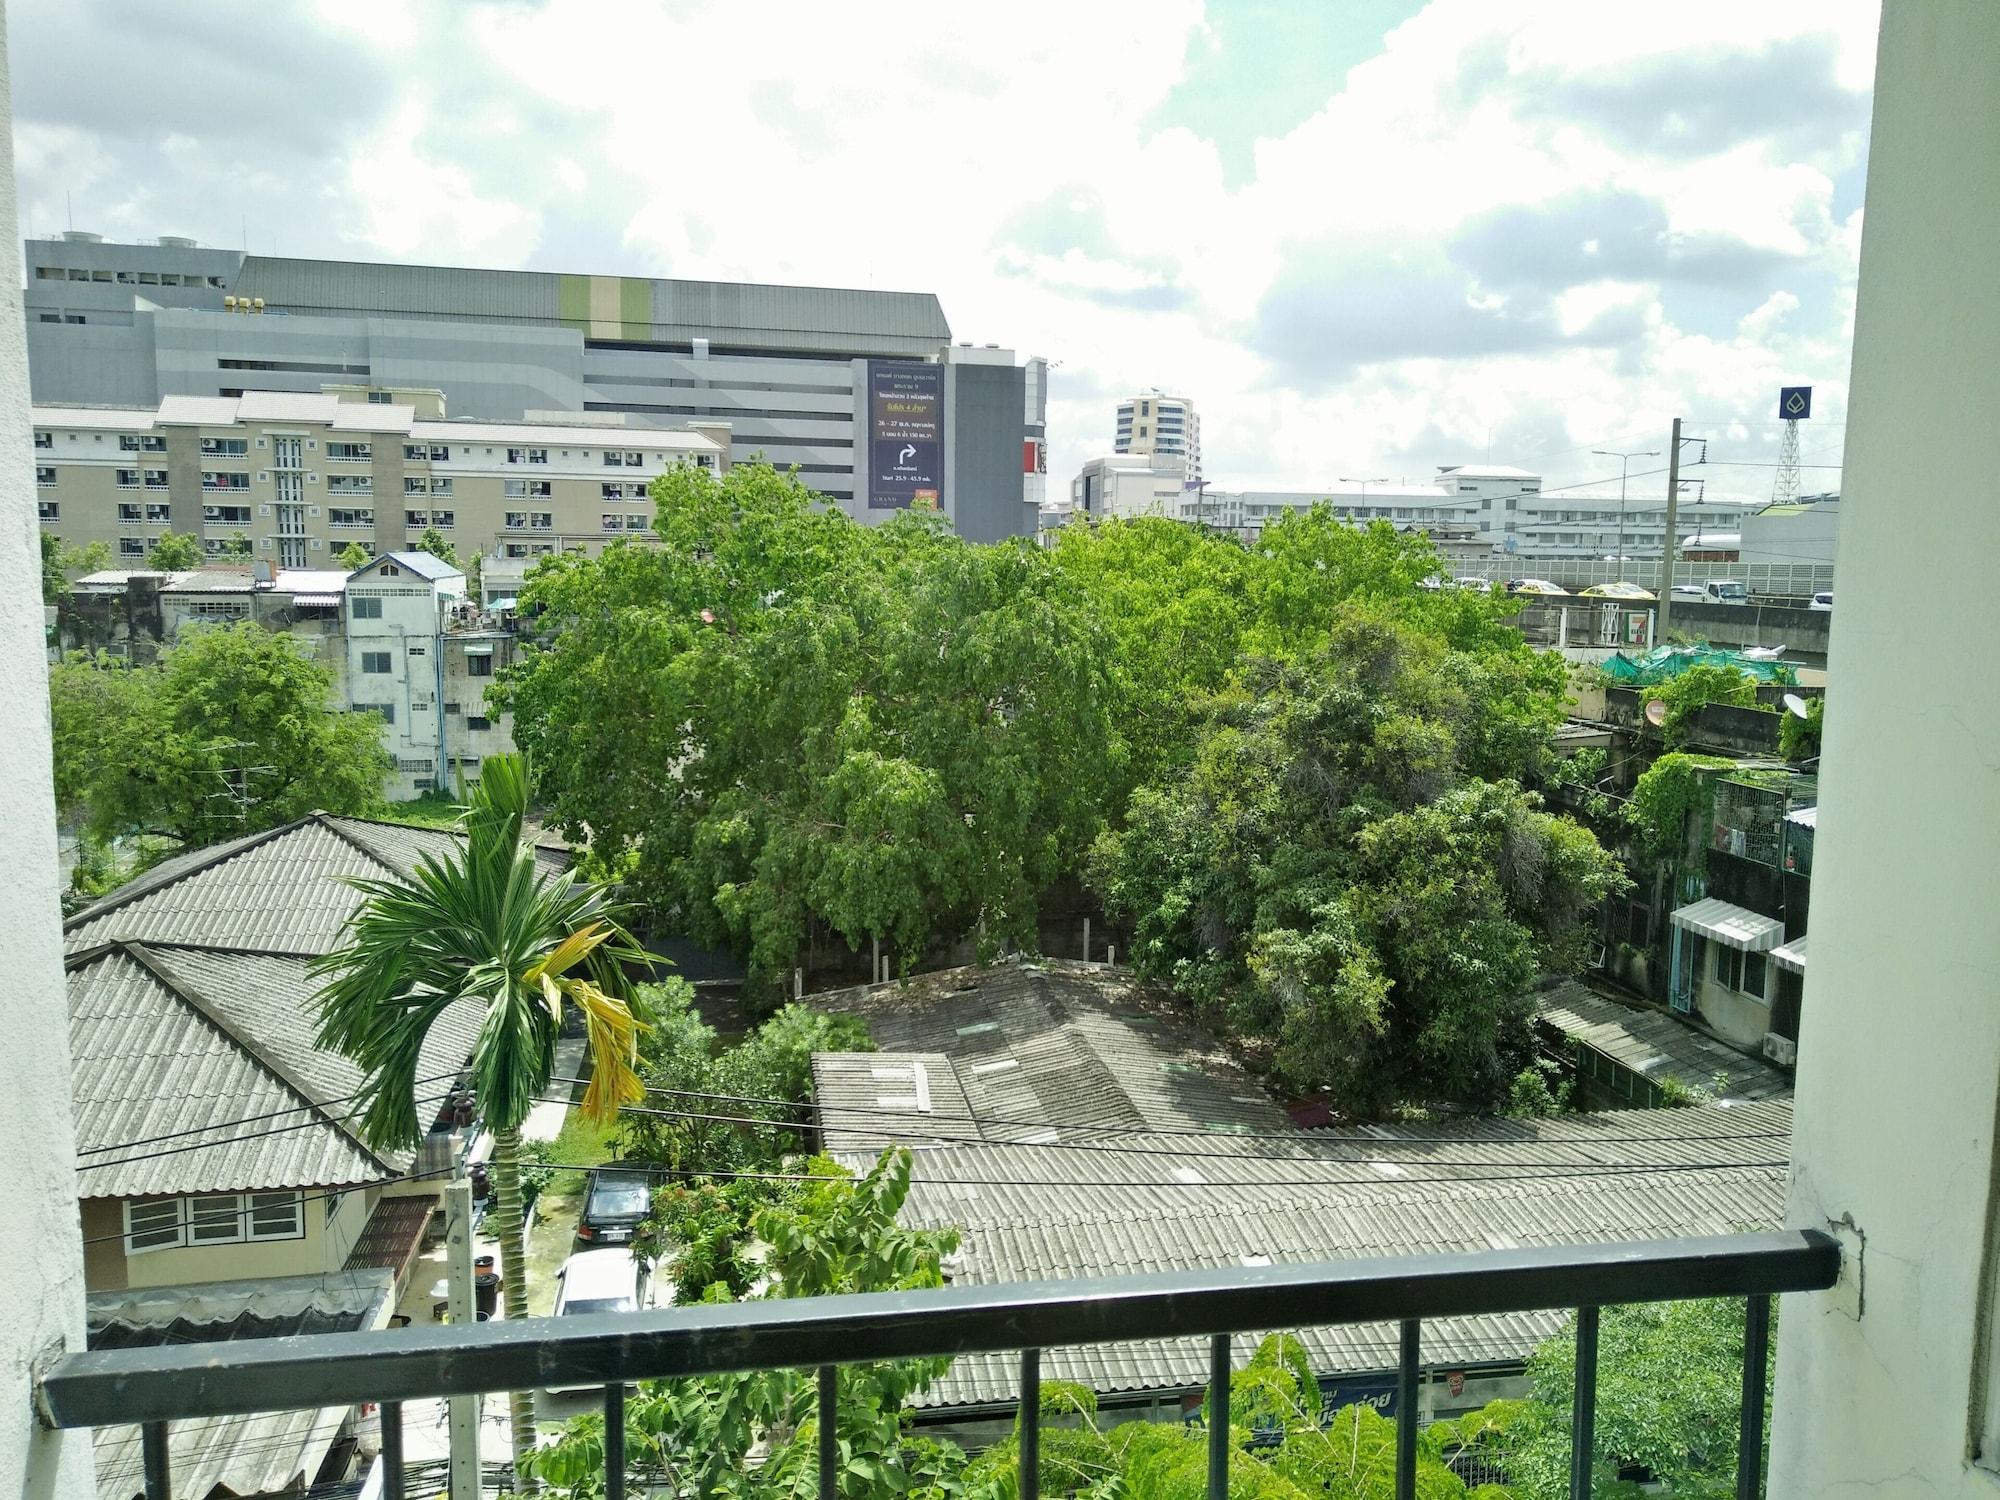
905	434
1794	403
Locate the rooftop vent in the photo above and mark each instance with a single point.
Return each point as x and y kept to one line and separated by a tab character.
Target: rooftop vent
82	237
178	242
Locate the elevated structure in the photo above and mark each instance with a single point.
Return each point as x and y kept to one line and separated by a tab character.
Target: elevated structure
1166	428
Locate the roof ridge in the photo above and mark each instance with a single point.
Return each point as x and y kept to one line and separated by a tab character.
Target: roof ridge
326	820
136	887
178	985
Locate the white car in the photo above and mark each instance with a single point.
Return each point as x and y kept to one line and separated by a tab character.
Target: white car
599	1281
1688	591
1822	602
1540	588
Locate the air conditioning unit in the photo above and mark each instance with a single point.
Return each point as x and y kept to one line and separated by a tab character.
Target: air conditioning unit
1781	1050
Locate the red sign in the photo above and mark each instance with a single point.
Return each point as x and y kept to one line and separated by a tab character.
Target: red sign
1034	458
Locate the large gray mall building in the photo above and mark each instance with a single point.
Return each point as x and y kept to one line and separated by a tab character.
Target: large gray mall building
865	392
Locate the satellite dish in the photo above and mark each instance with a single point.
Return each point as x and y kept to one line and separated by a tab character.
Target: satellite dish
1656	713
1795	704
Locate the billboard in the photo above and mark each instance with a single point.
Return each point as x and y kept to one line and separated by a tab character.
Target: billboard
905	434
1794	403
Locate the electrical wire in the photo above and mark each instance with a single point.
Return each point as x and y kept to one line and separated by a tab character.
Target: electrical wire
340	1192
172	1135
258	1135
1292	1137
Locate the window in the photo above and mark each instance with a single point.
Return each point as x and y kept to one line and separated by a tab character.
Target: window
542	520
225	447
275	1216
636	523
45	475
613	523
214	1219
440	486
379	398
131	510
48	440
47	510
444	520
386	710
156	479
440	453
612	491
414	453
336	516
1728	966
538	455
514	549
451	709
153	1224
366	607
128	479
517	520
212	479
416	520
416	485
514	489
350	453
1753	975
350	484
158	515
519	455
131	546
226	515
152	442
479	666
376	662
538	489
478	721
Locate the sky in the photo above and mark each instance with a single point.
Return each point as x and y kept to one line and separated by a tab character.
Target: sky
1366	237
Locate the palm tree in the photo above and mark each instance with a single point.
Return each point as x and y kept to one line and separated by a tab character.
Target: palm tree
488	926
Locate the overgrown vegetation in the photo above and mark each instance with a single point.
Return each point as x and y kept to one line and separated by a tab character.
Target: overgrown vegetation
1674	789
1302	775
1693	690
1798	739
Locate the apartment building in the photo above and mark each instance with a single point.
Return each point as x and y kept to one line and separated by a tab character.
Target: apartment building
1166	427
837	383
301	476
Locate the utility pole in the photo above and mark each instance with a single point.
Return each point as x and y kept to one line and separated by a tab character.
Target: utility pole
1672	539
464	1410
1624	464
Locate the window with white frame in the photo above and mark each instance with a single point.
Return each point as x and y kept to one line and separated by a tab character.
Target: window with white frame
416	520
226	515
126	479
514	489
158	515
538	489
542	520
517	520
440	453
636	523
131	546
212	1219
440	486
1728	966
350	484
350	453
337	516
131	510
444	520
415	453
45	476
612	490
366	606
156	479
213	479
613	523
48	440
538	455
416	484
48	510
231	447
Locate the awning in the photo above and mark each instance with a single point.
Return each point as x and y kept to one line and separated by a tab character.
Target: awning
1791	955
510	602
478	648
1804	817
1736	926
321	601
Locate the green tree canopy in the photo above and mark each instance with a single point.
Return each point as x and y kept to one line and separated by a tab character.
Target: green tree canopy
174	552
1351	878
438	545
353	556
781	718
231	732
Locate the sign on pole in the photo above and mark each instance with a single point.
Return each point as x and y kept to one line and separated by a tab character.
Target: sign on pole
1794	403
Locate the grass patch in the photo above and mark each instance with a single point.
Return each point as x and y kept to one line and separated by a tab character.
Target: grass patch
553	1234
431	810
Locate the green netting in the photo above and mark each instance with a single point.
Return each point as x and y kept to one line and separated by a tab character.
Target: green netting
1664	662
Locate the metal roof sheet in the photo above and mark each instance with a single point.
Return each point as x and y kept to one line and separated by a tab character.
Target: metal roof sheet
1804	817
108	418
1057	1043
265	1453
423	564
197	411
1067	1216
1656	1045
1726	922
1791	955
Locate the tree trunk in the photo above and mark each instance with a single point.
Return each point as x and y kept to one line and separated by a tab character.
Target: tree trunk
507	1228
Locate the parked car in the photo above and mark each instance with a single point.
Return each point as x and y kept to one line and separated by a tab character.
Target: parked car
1822	602
1471	581
1688	591
615	1201
597	1281
1630	592
1539	587
1725	591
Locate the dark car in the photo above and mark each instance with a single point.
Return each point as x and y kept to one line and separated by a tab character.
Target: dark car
614	1203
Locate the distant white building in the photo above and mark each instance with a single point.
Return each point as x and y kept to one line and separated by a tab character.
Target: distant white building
1801	532
1133	485
1167	427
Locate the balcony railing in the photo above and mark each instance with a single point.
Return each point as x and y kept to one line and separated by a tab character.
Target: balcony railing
155	1386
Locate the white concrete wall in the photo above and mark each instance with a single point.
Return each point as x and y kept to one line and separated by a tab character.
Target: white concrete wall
1899	1050
41	1259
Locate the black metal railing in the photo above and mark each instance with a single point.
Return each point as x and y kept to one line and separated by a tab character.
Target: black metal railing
155	1386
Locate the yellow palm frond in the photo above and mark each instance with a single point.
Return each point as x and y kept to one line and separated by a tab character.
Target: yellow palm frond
552	993
569	952
613	1033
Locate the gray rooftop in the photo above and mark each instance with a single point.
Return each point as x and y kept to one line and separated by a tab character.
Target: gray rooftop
1655	1045
423	564
1145	1204
1023	1049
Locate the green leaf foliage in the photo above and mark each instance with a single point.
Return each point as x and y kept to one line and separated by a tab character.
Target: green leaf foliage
1673	790
353	556
438	545
781	719
1350	876
174	552
60	561
1798	739
1693	690
233	731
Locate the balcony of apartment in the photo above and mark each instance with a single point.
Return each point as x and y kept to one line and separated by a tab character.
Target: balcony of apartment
153	1388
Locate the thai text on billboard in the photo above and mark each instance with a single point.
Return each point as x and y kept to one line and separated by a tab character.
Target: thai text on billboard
906	434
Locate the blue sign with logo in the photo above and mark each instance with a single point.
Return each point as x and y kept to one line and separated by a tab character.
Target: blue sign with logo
1795	403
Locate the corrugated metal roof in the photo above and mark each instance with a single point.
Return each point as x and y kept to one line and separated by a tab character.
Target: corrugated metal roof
108	418
197	411
310	581
265	1453
1656	1045
212	581
1804	817
191	1043
423	564
1078	1214
1057	1043
1791	955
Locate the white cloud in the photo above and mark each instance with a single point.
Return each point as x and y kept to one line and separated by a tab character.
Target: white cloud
403	203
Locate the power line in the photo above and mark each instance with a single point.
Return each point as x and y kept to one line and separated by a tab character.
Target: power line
233	1140
171	1135
305	1198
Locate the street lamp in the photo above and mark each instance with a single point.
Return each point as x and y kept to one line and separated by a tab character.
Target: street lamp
1625	463
1364	483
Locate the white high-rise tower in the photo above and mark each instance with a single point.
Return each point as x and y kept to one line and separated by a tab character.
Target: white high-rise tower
1165	426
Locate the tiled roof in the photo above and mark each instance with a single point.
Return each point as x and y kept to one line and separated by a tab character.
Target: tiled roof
1656	1045
192	1044
1054	1043
1030	1213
